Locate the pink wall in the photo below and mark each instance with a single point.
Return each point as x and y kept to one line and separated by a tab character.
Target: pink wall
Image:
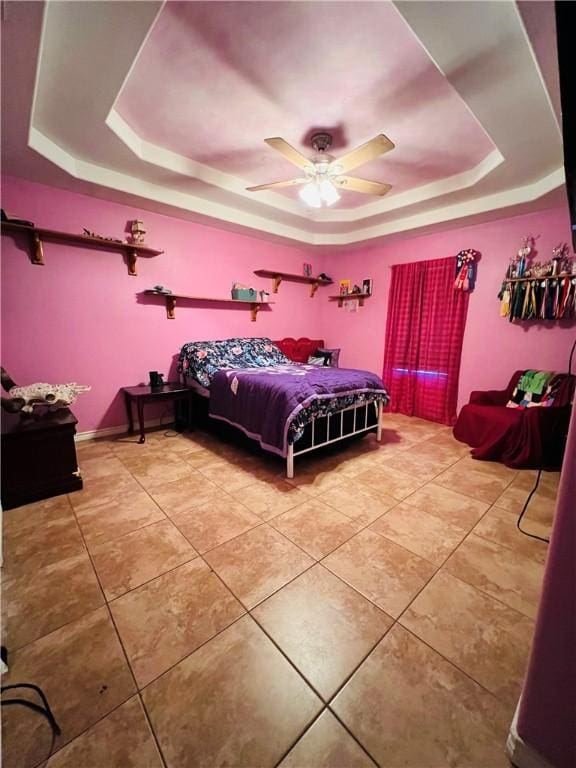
78	318
493	348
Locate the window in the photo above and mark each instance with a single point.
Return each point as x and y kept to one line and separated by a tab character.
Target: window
424	332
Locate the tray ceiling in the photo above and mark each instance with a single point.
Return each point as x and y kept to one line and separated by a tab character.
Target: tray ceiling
166	105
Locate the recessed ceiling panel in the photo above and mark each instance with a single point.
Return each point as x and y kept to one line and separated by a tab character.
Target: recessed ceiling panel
215	78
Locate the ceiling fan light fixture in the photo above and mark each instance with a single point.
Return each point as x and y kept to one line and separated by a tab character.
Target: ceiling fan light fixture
310	194
328	192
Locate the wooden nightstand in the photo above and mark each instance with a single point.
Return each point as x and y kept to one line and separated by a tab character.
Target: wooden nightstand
143	394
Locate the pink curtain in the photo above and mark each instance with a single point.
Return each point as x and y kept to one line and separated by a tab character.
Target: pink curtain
424	332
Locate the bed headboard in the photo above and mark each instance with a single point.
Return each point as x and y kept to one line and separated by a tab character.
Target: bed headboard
299	350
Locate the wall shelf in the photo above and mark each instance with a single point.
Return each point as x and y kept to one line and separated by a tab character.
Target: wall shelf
544	277
277	278
38	234
351	297
171	298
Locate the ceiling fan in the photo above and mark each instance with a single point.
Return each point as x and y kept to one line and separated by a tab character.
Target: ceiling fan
324	174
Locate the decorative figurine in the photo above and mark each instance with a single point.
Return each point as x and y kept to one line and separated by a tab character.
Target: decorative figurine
27	397
138	232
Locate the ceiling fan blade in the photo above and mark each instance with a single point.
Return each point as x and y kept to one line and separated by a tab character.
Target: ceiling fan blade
289	152
276	184
363	154
361	185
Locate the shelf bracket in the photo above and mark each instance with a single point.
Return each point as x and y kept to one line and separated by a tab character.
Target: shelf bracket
276	280
313	289
170	306
132	255
254	309
37	251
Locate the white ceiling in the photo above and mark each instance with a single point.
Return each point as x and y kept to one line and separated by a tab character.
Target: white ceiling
166	105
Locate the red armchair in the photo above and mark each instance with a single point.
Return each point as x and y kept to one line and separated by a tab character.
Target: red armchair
521	438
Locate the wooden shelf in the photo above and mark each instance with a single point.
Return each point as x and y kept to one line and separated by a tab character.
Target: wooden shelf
546	277
171	298
351	297
38	234
277	278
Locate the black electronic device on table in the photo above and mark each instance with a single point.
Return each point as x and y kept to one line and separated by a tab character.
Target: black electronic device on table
156	380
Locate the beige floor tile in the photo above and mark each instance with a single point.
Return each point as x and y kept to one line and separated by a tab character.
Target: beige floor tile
187	444
324	627
314	481
499	525
214	523
140	556
420	466
482	486
443	453
315	527
232	477
488	467
93	449
454	508
190	492
36	515
481	636
515	580
258	563
542	504
409	707
127	447
158	470
388	575
84	674
358	502
167	618
236	701
204	458
117	516
326	744
123	739
269	499
397	437
425	535
350	466
27	548
38	602
391	482
103	490
101	466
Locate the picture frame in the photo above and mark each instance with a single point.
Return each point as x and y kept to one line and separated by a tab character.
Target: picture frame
307	270
344	287
367	286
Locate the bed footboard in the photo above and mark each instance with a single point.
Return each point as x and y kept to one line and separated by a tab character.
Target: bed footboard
334	427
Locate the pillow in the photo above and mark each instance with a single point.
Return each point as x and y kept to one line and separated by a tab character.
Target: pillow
331	355
535	389
320	360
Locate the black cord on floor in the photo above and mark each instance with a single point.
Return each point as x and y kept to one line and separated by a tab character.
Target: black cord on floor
525	507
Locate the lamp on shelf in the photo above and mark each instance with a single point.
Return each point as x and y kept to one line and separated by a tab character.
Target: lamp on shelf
319	191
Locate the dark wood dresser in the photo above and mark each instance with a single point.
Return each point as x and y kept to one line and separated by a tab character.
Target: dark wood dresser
38	456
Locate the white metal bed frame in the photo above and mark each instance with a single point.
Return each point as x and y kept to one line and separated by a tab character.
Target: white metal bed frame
292	452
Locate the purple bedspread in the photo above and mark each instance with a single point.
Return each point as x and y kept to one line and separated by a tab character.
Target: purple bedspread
264	401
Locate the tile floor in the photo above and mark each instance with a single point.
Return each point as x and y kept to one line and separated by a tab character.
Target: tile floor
191	607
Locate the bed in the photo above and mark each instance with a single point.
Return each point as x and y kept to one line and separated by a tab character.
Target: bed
290	408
